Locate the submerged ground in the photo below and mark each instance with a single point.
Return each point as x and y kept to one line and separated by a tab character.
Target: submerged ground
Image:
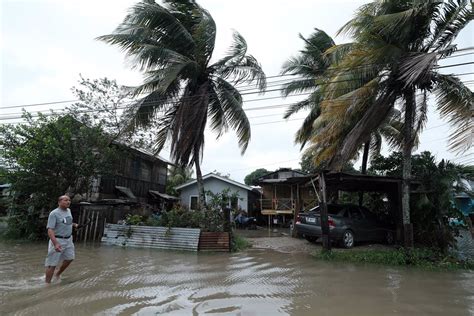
277	276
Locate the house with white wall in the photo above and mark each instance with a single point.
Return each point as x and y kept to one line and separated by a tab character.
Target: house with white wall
248	197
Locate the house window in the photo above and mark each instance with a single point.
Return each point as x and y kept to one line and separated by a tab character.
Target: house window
193	202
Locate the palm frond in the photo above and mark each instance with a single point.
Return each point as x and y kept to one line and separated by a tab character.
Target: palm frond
447	25
305	132
231	102
302	65
336	53
218	122
236	51
371	120
204	34
422	116
189	123
296	107
416	69
317	43
150	21
245	70
375	145
160	80
298	86
456	101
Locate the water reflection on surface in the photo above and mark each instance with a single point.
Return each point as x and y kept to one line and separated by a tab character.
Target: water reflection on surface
112	280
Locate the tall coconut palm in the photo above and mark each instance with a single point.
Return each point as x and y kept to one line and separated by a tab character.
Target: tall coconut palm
397	47
311	66
173	45
316	64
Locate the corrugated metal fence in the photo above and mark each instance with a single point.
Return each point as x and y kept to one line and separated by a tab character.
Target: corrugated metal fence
152	237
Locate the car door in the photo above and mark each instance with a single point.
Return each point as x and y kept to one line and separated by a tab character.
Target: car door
359	224
372	225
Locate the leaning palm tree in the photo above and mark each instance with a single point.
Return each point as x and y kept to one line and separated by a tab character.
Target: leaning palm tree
311	66
314	66
395	56
173	45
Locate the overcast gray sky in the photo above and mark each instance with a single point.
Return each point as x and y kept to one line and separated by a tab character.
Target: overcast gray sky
45	44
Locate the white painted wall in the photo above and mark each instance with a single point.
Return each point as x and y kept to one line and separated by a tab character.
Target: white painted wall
215	186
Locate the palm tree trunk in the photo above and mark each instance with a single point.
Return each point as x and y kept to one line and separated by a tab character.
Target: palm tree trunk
200	184
365	158
410	108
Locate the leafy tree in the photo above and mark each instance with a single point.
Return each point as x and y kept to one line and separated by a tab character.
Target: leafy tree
251	178
101	104
432	207
176	177
46	158
173	44
393	60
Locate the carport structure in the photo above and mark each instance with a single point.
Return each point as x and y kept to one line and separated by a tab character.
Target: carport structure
333	182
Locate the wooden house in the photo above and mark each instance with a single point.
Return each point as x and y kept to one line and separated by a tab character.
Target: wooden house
283	192
140	177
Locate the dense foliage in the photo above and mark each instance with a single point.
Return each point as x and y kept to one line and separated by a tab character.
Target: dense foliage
211	218
432	206
252	177
46	158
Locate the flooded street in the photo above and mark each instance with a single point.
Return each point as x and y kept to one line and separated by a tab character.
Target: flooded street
107	280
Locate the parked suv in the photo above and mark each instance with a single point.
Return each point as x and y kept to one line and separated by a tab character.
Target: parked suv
348	224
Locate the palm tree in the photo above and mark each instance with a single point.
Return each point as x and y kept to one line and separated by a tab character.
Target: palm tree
395	54
312	65
316	64
173	45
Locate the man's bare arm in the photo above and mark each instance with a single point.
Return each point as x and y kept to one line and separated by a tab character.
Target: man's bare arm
52	236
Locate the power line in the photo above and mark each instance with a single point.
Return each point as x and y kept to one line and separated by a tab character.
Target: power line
124	107
275	76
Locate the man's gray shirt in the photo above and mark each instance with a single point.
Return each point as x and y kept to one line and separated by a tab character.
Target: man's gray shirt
61	221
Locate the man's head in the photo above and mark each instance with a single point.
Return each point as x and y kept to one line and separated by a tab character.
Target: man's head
64	201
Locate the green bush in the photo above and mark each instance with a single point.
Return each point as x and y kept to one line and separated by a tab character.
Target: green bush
206	220
134	220
239	243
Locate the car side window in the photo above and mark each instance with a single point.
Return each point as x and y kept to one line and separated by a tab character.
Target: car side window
356	214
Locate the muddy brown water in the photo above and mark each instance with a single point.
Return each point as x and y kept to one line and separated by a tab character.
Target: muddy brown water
107	280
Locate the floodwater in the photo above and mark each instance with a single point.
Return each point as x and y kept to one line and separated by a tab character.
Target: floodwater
107	280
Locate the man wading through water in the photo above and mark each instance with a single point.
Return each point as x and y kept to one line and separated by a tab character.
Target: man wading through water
60	245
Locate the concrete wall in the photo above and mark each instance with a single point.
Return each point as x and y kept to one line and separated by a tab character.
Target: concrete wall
215	186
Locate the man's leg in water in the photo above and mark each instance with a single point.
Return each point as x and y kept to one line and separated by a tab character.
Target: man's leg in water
49	273
63	267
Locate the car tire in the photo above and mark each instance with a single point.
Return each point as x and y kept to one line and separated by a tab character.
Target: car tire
311	238
348	239
389	238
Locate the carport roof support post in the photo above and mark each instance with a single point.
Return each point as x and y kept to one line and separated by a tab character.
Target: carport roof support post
324	213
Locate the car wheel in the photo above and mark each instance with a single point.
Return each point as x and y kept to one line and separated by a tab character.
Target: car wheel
389	238
310	238
348	239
